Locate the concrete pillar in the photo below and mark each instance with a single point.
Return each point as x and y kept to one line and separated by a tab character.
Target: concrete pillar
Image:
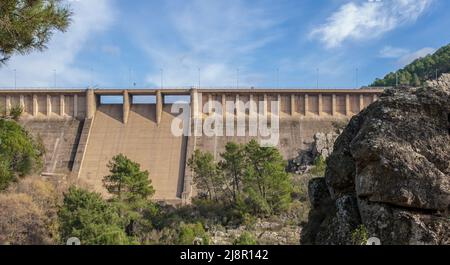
62	106
210	105
22	102
361	102
292	105
333	105
265	106
252	104
35	105
159	106
8	104
126	106
49	105
375	97
75	107
91	104
238	110
278	105
347	105
194	103
320	107
195	114
224	105
306	104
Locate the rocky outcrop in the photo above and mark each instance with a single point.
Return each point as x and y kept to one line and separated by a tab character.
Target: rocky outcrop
321	146
389	171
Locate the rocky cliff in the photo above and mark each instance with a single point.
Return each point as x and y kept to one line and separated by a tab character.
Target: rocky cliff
322	145
389	172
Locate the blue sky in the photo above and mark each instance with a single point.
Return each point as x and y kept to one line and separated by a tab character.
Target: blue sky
116	43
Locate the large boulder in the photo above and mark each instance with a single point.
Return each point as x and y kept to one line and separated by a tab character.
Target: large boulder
390	171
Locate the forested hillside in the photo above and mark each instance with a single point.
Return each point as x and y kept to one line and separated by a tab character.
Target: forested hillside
422	69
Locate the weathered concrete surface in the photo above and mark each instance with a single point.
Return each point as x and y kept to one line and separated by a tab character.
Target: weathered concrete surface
140	139
60	139
296	134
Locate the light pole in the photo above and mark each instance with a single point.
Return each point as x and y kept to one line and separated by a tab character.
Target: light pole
199	78
54	77
15	79
237	78
318	72
357	77
278	77
162	76
92	77
129	77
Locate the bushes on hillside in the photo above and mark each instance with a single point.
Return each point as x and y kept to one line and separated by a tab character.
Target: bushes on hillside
20	154
28	213
94	221
420	70
245	239
21	220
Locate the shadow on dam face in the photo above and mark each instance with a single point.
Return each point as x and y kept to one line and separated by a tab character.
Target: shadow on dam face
140	139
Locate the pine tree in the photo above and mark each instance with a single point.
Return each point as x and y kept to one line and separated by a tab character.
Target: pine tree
233	166
131	189
266	182
27	25
207	175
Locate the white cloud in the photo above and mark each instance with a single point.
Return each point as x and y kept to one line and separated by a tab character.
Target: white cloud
392	52
36	69
215	36
362	21
410	57
404	56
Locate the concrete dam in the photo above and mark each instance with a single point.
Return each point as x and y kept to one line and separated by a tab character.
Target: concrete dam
82	132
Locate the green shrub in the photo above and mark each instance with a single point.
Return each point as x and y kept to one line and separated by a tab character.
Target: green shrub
6	175
360	235
20	154
94	221
15	112
2	111
319	167
190	234
245	239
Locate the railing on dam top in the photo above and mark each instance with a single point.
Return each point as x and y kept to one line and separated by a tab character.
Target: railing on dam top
83	103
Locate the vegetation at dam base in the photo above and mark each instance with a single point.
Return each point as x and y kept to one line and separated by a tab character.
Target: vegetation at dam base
250	179
247	188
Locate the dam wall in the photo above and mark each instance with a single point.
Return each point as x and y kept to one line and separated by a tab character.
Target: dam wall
81	133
